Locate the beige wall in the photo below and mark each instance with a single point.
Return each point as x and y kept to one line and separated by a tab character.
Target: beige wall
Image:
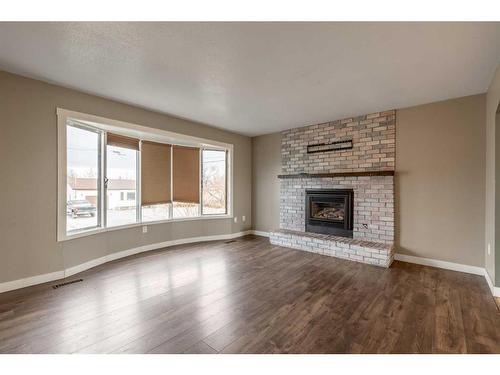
492	214
28	175
440	165
440	160
266	165
440	174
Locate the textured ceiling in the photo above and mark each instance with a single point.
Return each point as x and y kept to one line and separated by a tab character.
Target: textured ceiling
257	78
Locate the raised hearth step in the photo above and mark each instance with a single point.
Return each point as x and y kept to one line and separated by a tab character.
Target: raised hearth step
369	252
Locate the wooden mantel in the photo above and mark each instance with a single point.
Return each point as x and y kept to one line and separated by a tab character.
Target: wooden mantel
338	174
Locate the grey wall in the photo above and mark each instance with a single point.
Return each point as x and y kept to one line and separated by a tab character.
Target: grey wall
440	180
266	166
28	157
440	164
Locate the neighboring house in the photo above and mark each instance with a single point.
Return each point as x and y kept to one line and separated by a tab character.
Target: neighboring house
121	192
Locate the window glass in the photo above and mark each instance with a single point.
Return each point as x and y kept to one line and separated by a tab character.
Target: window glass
82	192
214	182
184	210
156	212
121	184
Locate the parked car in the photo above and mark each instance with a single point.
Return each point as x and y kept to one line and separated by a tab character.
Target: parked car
80	208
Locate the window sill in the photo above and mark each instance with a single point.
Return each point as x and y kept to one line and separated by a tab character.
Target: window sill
93	231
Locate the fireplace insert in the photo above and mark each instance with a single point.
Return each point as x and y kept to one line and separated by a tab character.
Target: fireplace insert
330	211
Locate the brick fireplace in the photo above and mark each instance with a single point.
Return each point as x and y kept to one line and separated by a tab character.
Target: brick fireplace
359	223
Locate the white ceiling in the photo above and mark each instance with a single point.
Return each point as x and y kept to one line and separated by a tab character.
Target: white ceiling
257	78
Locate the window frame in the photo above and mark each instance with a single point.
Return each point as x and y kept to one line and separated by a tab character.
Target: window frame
105	125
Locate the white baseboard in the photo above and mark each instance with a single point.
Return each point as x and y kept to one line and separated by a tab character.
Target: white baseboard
141	249
260	233
434	263
494	290
450	266
44	278
40	279
29	281
440	264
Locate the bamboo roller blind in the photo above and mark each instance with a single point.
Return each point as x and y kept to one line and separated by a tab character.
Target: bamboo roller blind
186	174
122	141
155	173
168	173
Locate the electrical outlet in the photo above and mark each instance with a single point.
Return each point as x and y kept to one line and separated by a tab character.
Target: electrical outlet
243	218
236	219
144	229
489	249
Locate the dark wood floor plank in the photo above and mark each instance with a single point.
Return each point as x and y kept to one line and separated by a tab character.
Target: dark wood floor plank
450	332
201	348
150	327
112	337
249	296
247	300
116	317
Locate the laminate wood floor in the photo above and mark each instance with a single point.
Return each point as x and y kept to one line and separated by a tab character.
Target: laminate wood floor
248	296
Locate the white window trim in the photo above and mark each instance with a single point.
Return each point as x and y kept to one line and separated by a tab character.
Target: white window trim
133	130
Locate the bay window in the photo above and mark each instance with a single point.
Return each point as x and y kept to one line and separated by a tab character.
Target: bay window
114	174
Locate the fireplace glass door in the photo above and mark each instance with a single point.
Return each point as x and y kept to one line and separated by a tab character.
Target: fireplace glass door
333	211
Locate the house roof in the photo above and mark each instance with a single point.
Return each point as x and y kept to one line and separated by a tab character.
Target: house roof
83	183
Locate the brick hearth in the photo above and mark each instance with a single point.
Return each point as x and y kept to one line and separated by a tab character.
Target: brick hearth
346	248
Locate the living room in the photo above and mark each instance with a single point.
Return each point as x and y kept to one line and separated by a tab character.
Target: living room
249	187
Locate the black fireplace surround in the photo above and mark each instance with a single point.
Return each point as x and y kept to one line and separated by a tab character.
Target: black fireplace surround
330	211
